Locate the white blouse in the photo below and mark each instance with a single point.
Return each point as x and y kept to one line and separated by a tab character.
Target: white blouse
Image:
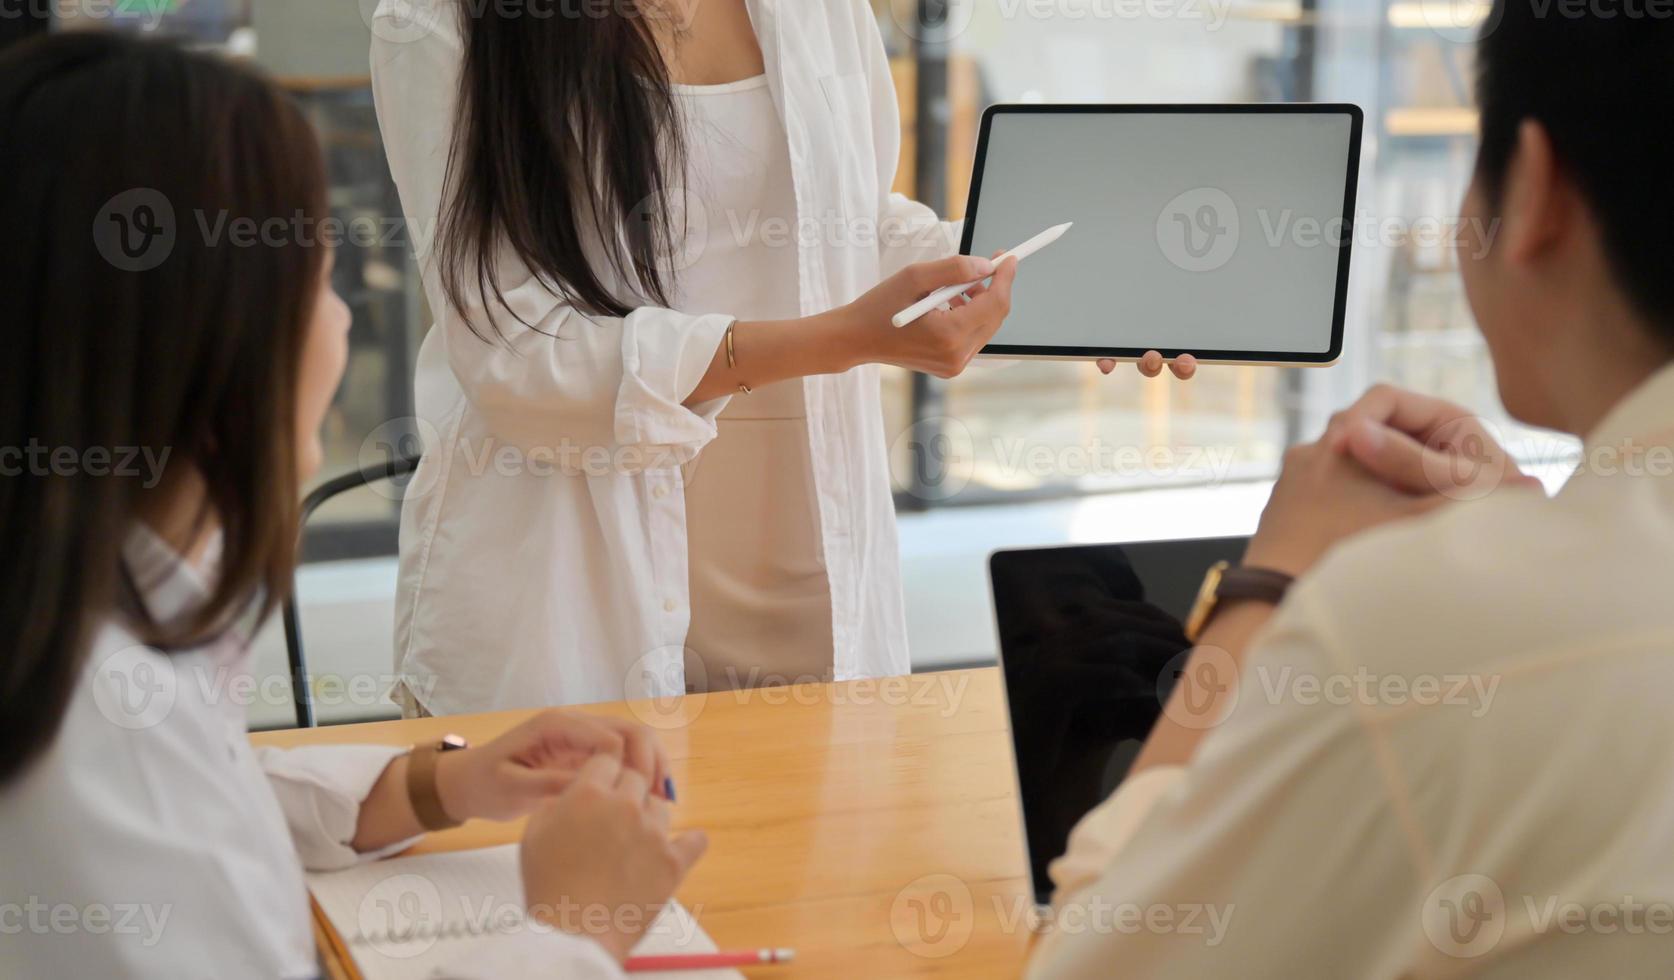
152	840
544	541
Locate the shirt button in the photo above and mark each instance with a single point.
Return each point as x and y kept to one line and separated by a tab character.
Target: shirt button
669	605
660	492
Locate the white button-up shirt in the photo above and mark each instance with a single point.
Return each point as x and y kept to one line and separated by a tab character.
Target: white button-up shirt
152	840
543	541
1449	756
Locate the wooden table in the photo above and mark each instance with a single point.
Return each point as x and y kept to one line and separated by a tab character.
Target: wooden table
871	825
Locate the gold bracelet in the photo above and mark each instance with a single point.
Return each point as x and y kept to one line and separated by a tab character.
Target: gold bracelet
732	356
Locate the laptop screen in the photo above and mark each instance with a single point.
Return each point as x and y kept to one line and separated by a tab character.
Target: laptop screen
1087	636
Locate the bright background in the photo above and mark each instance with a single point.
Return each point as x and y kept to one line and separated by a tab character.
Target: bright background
1008	444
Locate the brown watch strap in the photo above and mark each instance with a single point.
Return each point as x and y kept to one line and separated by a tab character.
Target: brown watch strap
421	788
1228	583
1259	584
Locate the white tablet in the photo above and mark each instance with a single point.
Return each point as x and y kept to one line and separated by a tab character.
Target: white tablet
1222	231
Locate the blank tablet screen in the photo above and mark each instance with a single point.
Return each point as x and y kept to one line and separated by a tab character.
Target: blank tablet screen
1221	231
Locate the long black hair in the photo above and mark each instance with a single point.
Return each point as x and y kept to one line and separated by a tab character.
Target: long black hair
565	121
130	332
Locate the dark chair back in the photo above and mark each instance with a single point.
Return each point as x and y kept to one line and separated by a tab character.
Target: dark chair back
302	694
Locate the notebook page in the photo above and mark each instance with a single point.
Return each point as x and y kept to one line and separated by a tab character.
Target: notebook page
403	918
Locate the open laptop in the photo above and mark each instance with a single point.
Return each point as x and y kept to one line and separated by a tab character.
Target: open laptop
1089	637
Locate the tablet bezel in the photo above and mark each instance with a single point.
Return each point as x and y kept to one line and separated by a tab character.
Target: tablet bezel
1258	357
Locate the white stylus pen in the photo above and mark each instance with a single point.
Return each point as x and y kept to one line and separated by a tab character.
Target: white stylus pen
943	296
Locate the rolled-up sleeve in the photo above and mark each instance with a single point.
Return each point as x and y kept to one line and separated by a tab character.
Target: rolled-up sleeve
1106	829
538	371
320	790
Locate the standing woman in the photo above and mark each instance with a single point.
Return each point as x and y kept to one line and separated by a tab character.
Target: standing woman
661	246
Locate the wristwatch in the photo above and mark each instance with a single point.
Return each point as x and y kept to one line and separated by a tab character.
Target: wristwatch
421	783
1226	582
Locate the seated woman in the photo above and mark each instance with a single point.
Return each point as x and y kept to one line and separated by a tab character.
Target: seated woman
159	403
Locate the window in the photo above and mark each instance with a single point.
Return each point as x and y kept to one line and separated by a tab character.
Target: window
1003	431
1030	428
317	50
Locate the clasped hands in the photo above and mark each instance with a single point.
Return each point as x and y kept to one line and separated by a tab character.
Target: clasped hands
1391	455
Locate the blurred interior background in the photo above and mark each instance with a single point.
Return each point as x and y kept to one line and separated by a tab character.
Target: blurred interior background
1210	448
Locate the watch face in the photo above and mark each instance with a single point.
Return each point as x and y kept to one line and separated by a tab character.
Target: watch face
452	742
1205	604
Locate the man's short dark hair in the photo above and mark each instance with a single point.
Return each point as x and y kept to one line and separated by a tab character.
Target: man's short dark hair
1599	76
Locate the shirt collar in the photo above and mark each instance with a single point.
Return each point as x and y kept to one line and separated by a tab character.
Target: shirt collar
1635	436
169	586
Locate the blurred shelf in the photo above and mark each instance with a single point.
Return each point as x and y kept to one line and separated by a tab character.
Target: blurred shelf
1290	14
1436	15
1431	121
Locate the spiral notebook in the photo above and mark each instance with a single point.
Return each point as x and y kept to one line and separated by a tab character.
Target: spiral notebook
405	918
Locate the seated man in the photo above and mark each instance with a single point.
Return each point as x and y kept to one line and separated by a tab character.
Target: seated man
1446	751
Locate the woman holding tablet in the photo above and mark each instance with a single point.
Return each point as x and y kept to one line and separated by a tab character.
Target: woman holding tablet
661	246
148	837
